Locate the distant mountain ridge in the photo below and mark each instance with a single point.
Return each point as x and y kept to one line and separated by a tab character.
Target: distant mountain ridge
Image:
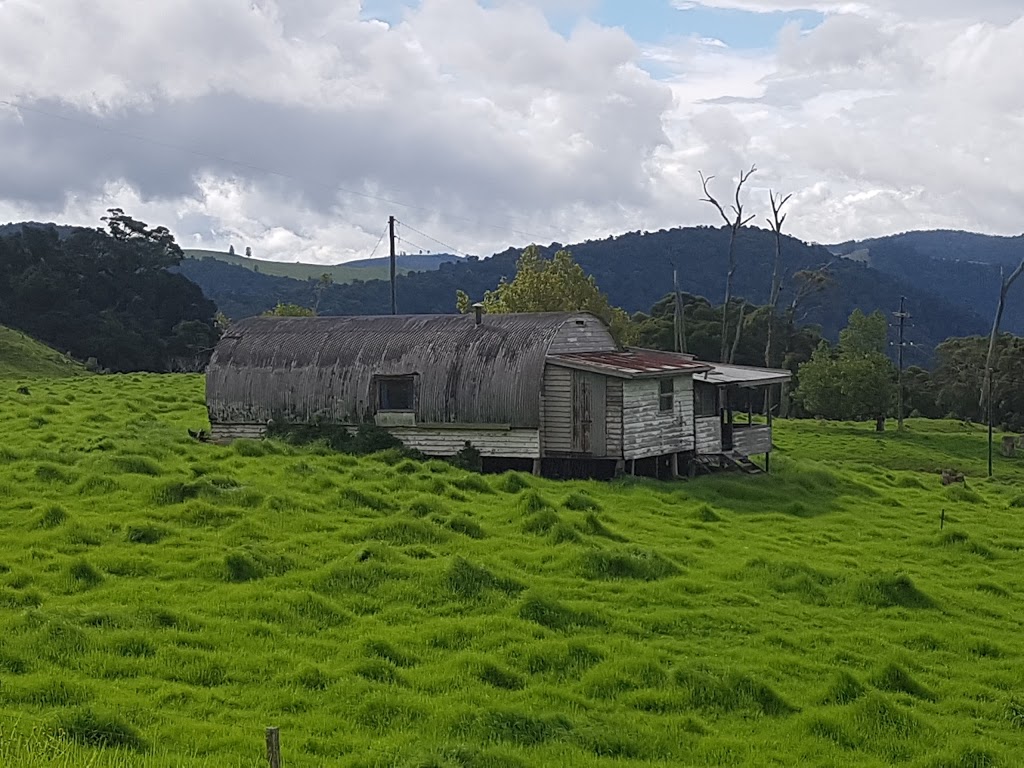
960	267
635	269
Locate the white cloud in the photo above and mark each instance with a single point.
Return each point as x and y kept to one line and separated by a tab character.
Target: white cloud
486	116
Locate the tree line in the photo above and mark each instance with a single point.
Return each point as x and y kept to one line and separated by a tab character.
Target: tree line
106	295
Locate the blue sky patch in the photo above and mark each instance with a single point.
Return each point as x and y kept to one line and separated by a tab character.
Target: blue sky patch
655	21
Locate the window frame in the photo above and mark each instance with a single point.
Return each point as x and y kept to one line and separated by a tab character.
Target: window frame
666	400
381	382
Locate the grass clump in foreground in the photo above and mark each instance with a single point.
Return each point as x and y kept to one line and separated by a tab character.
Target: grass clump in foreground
163	600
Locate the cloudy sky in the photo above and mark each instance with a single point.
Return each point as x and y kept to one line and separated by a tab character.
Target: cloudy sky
297	126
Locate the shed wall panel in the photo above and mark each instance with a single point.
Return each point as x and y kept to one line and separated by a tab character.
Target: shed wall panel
557	429
649	431
508	443
614	418
709	434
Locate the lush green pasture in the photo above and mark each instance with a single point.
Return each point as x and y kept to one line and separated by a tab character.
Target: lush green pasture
170	599
21	355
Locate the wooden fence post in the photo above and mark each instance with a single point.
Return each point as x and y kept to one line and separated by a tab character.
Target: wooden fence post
274	747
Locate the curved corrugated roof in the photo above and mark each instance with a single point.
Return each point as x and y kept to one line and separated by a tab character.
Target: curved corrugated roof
323	367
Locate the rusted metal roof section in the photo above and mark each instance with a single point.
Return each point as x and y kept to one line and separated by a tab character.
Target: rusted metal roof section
632	363
322	368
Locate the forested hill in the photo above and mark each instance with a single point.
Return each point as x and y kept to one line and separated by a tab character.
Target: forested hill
635	269
961	267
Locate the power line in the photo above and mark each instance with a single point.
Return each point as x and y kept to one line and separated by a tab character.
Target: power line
261	169
411	243
451	248
379	241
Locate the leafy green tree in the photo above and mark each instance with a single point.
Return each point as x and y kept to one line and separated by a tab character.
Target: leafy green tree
107	294
854	381
555	285
289	310
959	373
792	347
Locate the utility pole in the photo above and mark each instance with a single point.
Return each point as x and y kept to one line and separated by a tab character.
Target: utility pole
391	232
902	316
988	398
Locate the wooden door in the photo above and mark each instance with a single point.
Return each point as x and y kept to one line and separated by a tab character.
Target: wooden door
589	409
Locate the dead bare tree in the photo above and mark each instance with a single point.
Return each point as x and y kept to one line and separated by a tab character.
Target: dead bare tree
986	387
778	218
735	223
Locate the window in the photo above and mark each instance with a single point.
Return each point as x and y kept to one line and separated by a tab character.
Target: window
666	388
705	400
396	394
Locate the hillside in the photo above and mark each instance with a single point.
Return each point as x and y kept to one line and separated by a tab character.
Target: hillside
635	269
361	269
959	267
169	599
24	357
947	245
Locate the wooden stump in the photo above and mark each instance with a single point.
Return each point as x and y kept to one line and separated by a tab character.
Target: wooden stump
1009	447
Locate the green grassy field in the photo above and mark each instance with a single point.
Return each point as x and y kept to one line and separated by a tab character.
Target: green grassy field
22	356
163	600
339	272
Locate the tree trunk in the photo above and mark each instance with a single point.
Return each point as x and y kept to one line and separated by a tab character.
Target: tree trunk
739	332
1004	289
722	357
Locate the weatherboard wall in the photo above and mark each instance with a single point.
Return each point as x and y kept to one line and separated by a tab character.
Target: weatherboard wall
649	431
709	434
560	432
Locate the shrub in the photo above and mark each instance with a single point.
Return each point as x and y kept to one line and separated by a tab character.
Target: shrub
469	458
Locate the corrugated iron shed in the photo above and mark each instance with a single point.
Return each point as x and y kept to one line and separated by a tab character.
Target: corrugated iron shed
322	368
632	363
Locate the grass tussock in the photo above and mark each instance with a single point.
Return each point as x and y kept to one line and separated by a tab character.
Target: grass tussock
85	726
898	591
634	563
